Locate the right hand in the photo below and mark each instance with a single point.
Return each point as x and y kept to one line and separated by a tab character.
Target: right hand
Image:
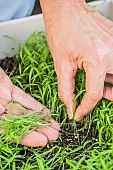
79	37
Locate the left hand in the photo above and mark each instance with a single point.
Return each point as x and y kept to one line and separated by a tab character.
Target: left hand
10	93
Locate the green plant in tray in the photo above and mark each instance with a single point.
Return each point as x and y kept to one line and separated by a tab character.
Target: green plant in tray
83	145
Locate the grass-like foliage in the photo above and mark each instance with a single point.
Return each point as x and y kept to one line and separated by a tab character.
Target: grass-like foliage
15	127
91	140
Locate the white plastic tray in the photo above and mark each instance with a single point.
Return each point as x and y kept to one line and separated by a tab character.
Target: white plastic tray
22	28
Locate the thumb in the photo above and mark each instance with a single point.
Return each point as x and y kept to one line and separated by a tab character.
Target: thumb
66	85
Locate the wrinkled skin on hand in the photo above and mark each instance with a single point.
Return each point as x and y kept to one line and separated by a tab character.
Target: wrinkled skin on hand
10	93
80	37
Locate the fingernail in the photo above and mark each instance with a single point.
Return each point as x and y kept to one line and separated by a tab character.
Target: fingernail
70	115
78	119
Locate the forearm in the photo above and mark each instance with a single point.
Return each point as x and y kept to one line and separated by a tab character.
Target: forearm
55	9
50	5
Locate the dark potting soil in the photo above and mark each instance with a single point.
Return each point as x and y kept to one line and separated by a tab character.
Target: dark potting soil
70	135
8	64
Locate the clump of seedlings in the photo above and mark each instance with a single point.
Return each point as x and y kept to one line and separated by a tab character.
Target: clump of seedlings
87	144
14	127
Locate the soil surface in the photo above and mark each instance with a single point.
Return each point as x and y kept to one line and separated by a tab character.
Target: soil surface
7	64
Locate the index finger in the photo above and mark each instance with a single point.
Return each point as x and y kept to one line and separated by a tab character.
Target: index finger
94	91
26	100
29	103
66	85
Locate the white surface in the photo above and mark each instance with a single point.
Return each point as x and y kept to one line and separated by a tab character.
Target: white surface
20	29
106	9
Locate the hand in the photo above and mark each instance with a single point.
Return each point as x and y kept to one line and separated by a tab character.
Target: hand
10	93
80	37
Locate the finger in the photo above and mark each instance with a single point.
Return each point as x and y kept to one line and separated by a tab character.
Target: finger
19	110
108	93
5	83
26	100
55	125
109	78
40	140
13	109
16	109
3	101
94	92
49	132
66	85
34	139
2	109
